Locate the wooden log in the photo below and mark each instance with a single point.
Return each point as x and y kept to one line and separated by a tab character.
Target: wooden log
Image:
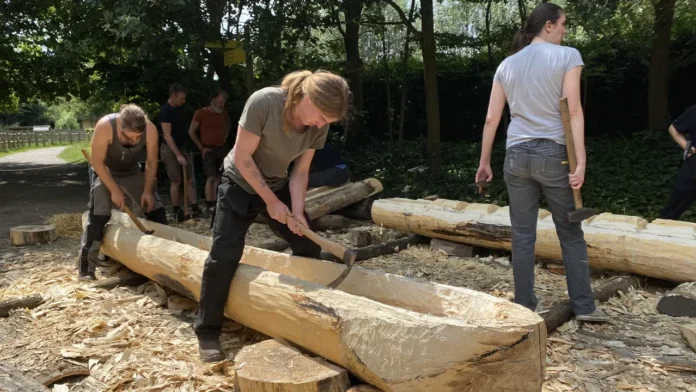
271	366
451	248
662	249
334	222
395	333
32	234
359	210
333	199
129	278
388	247
561	312
680	302
13	380
28	302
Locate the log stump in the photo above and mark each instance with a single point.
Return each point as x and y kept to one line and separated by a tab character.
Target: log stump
680	302
271	366
32	234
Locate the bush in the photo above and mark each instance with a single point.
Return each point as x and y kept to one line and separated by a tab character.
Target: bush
630	175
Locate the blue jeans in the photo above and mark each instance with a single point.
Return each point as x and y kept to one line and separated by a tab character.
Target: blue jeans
532	168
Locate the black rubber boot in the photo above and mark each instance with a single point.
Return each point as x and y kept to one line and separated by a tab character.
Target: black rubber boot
210	350
89	246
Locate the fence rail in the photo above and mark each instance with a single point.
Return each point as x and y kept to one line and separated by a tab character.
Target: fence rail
15	140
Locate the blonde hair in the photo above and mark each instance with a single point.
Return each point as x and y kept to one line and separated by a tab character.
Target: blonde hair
327	91
132	118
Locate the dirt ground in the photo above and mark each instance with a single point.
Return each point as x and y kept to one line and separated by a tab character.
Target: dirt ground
136	339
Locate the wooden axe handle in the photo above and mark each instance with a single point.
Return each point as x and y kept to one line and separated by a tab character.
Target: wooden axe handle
325	243
570	145
125	207
183	169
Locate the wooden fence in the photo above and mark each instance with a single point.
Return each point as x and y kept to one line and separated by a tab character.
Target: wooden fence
15	140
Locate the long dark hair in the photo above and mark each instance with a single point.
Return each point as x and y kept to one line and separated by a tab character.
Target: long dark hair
535	23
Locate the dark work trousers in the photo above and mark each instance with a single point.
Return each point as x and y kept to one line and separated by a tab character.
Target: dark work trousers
532	168
684	192
235	211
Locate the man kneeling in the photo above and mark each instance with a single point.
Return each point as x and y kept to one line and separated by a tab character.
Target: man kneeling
118	142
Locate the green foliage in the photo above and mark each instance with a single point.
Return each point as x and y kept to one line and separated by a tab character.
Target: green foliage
629	176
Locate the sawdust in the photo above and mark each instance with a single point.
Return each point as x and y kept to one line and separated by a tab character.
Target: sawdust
127	338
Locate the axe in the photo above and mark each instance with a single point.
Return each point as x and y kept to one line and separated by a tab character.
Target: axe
336	249
581	213
187	216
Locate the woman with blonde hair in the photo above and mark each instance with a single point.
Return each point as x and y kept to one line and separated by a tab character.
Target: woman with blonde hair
532	80
279	125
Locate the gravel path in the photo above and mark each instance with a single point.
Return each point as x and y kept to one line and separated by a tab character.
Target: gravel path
41	156
37	184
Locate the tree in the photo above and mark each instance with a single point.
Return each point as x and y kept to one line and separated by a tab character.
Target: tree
658	77
432	102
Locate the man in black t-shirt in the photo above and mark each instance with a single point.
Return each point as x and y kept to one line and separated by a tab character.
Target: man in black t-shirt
174	135
684	193
328	168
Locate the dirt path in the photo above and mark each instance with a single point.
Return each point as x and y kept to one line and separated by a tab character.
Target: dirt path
41	156
37	184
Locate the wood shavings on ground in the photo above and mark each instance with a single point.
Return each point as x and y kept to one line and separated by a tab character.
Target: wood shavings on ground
126	338
129	340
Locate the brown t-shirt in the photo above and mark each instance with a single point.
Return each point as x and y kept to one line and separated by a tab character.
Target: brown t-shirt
211	126
263	116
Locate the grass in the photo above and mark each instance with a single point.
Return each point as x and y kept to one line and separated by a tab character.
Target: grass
73	153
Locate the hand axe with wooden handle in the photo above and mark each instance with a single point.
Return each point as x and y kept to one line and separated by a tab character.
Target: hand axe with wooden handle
336	249
581	213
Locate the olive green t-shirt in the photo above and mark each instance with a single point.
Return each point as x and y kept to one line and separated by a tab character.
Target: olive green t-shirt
263	116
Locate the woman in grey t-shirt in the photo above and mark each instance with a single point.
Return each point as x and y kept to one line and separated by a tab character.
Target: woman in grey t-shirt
532	80
279	125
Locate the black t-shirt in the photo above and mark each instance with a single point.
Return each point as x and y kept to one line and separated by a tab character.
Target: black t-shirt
170	114
686	124
325	158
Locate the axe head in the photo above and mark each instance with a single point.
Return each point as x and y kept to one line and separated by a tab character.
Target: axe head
582	214
349	257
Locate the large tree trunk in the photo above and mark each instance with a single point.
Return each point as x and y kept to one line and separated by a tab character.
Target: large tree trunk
353	12
432	102
404	77
658	78
662	249
457	339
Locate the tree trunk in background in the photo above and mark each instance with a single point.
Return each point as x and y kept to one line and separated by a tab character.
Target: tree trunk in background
404	77
432	101
249	62
216	10
523	11
658	77
353	12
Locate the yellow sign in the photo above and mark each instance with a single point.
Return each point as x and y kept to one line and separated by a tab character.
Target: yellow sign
235	56
228	45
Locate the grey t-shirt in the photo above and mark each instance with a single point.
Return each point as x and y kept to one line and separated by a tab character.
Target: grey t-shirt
263	116
533	82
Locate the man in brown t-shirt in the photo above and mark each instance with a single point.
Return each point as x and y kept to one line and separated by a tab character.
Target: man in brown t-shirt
213	124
